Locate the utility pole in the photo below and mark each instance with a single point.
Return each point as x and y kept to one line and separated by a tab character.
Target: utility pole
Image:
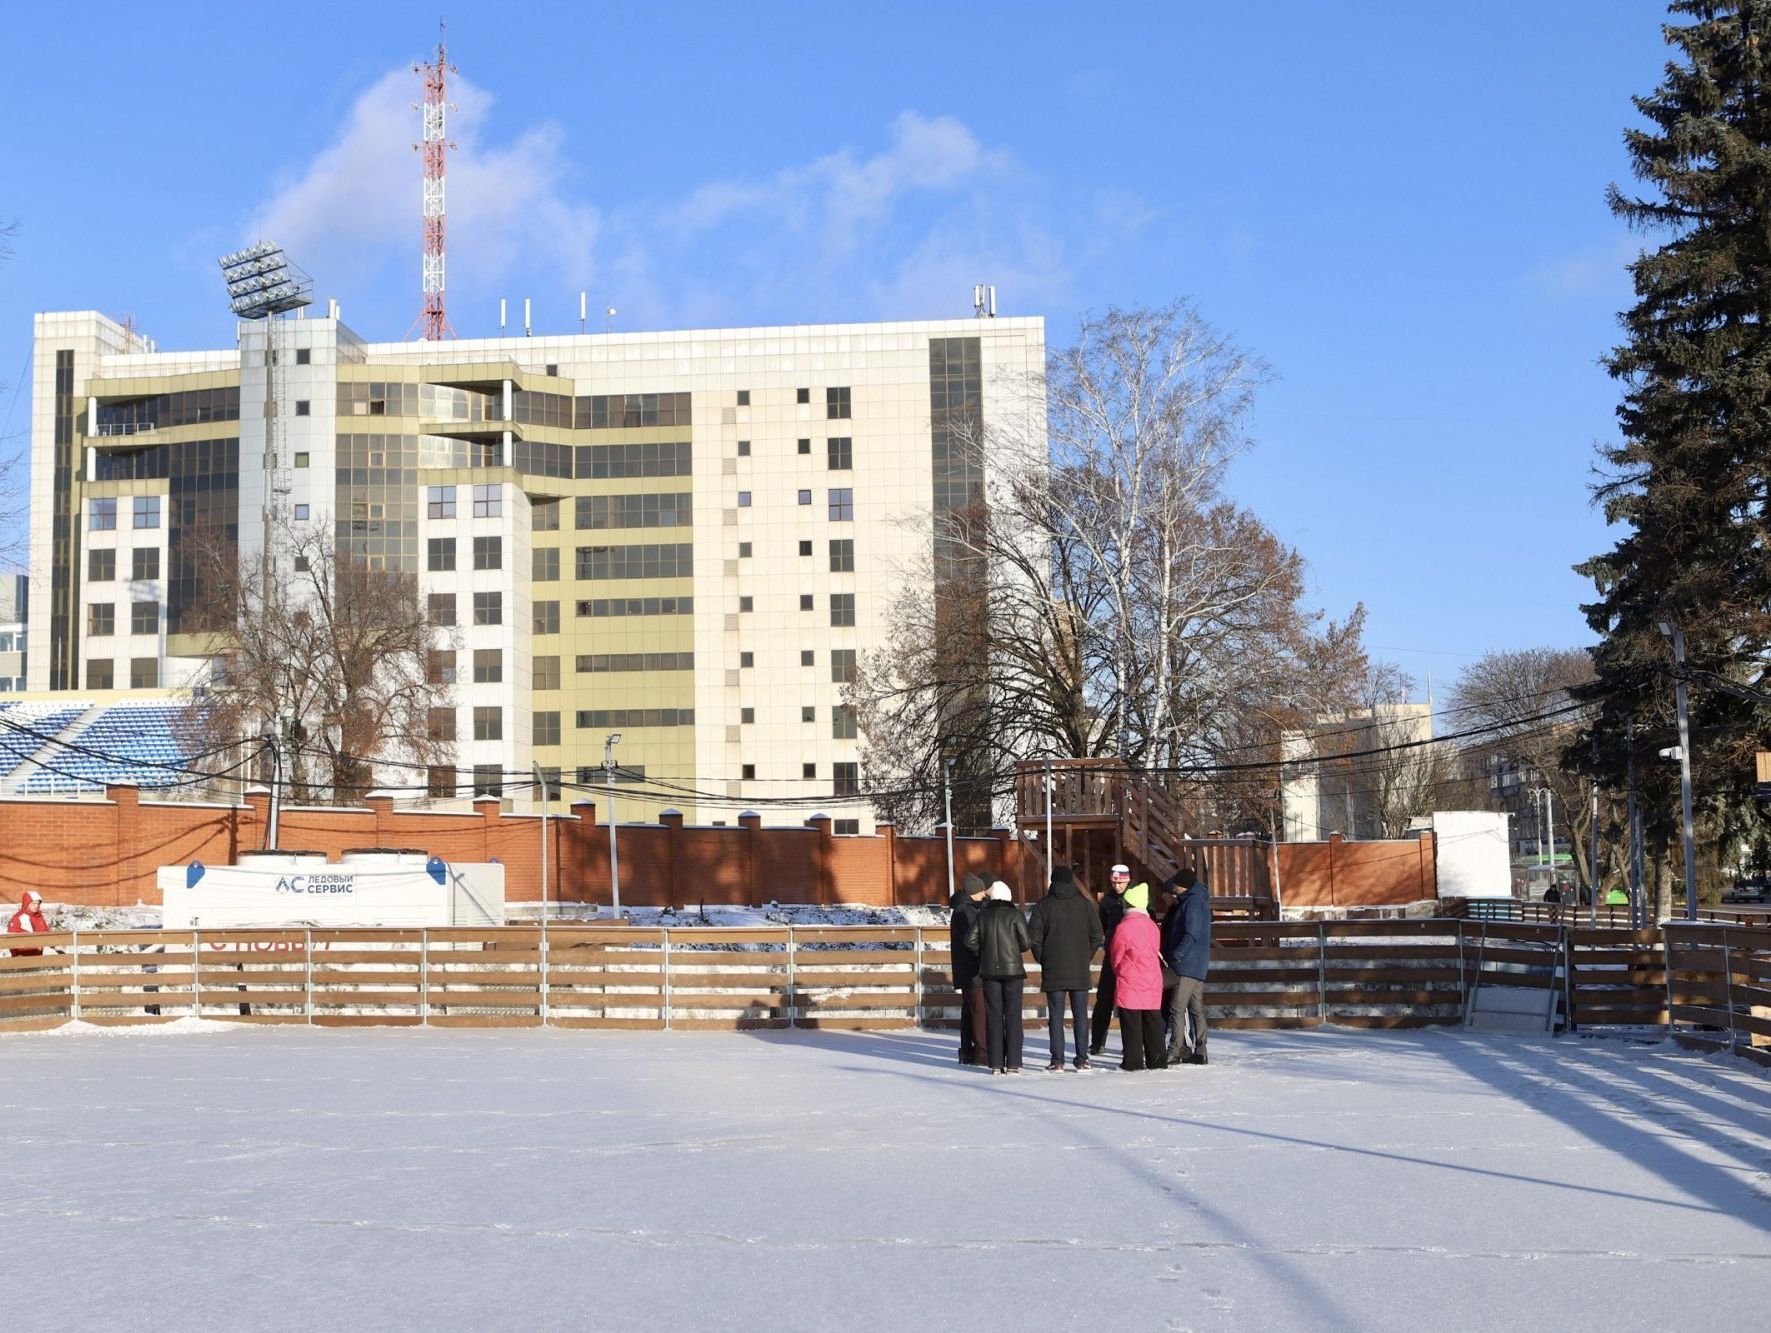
1051	780
1593	842
609	745
1677	635
947	807
1638	907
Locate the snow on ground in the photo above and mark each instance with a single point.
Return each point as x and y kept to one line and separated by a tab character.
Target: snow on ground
431	1179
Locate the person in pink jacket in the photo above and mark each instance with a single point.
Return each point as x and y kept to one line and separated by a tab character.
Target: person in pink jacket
1137	971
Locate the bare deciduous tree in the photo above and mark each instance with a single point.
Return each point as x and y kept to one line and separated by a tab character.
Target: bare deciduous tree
338	660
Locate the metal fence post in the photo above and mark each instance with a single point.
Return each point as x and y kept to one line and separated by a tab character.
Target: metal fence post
1728	980
921	994
424	976
1463	980
1321	972
1666	953
74	987
307	975
792	996
664	985
544	966
1565	945
196	974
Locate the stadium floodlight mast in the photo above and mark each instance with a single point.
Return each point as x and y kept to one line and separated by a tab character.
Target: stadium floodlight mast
262	282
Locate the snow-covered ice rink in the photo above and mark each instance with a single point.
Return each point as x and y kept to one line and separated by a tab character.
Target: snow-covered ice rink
210	1177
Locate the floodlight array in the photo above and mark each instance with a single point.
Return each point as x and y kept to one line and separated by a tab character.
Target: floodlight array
262	282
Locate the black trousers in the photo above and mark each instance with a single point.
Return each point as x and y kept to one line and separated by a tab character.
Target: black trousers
1103	1007
1002	1019
972	1036
1186	1019
1055	1001
1140	1032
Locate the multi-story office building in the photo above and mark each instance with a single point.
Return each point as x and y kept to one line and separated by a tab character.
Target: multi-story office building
685	538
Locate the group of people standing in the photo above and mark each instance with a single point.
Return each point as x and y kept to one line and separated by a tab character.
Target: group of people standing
1153	971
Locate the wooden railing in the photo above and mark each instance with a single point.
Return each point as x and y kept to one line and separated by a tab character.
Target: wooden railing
1264	974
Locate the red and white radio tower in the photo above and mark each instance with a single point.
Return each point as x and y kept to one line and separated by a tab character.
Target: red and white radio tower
434	319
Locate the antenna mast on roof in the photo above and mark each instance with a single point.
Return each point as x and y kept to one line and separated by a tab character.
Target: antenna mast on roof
435	147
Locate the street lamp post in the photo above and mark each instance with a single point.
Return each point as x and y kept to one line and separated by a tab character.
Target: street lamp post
1677	635
609	745
1547	846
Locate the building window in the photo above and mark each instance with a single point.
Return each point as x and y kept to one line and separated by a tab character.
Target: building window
743	499
440	780
842	665
807	657
103	516
547	729
441	502
301	566
842	723
488	502
488	608
545	564
488	724
301	513
439	666
440	555
744	448
836	404
488	666
488	780
301	460
547	618
744	398
746	715
544	673
842	555
805	548
744	549
144	617
805	497
488	552
746	603
803	395
842	608
846	828
303	408
553	370
808	771
440	725
635	562
304	356
805	446
144	673
808	712
442	608
805	601
101	619
746	659
840	454
847	779
842	505
101	566
747	772
544	516
147	511
101	675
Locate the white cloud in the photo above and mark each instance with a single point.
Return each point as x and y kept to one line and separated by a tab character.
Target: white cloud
901	231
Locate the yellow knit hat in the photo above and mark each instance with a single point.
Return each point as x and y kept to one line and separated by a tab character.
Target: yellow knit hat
1138	897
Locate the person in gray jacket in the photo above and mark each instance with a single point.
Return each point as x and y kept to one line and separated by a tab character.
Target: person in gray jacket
1067	934
1187	946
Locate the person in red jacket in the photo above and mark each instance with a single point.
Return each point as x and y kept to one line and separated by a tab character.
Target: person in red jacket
1136	952
28	920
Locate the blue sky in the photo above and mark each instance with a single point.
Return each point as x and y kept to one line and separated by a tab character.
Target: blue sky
1399	206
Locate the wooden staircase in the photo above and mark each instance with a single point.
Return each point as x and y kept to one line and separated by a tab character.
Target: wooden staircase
1104	811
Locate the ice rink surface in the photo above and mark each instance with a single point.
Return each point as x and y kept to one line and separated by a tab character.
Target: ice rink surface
209	1177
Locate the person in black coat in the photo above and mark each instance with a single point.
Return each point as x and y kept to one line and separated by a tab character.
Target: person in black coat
964	907
1112	913
1067	934
1000	937
1186	947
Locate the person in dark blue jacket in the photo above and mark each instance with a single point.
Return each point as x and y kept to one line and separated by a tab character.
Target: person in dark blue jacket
1187	944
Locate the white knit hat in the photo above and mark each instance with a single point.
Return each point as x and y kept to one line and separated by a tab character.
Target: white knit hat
1000	893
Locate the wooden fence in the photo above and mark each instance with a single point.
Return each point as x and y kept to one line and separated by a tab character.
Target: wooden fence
1264	974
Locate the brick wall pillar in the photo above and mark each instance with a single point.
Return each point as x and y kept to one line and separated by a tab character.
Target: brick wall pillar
490	811
752	824
249	824
672	820
125	799
381	806
1334	855
576	869
821	822
884	828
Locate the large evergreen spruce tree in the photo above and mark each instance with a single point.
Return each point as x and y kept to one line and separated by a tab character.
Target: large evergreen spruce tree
1688	482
